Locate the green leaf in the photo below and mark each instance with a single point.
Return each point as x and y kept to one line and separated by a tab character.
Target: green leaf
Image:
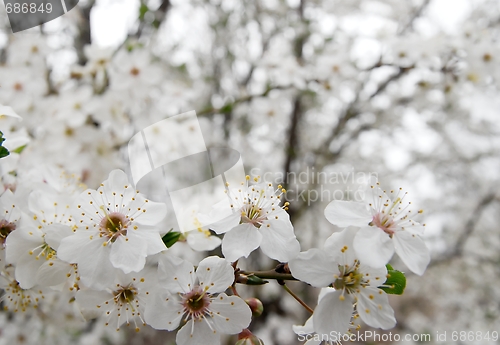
143	9
395	283
19	149
253	280
3	151
170	238
226	109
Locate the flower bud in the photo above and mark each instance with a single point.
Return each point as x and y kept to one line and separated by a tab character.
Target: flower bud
247	338
256	306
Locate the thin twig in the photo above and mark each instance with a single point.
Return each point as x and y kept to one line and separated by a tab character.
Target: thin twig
297	298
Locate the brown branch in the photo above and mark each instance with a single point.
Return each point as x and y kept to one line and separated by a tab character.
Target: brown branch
470	225
293	140
84	36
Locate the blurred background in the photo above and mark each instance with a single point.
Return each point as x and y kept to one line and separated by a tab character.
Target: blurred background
315	95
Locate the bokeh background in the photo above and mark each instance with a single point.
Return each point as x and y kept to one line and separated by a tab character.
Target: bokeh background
315	95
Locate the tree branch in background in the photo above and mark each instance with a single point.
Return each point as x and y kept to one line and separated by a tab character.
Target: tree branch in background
415	15
158	16
292	143
470	225
84	36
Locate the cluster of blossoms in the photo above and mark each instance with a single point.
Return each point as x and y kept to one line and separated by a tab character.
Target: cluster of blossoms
69	254
104	252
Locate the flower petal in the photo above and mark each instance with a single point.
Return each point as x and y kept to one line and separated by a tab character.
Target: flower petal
374	308
240	242
230	314
340	245
129	256
92	258
200	242
216	273
53	272
412	250
314	267
163	311
197	332
375	276
333	314
373	246
347	213
229	219
279	241
175	274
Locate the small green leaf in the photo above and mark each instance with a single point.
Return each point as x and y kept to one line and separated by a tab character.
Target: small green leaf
19	149
395	283
226	109
254	280
4	152
143	9
170	238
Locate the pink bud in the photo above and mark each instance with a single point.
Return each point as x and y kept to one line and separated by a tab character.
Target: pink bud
247	338
256	306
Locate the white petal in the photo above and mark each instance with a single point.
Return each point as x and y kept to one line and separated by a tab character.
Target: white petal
348	213
163	311
53	272
333	314
336	244
306	329
21	241
129	256
314	267
117	182
374	309
175	274
92	257
373	246
26	271
412	250
376	276
230	314
240	242
278	239
149	235
196	333
8	111
70	249
154	211
201	242
91	302
229	219
324	291
54	234
216	273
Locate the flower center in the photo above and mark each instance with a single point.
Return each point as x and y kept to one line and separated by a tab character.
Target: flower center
196	302
384	222
124	295
253	214
350	278
5	229
114	225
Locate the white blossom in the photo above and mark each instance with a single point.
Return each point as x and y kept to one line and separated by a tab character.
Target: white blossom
197	297
256	219
385	226
115	229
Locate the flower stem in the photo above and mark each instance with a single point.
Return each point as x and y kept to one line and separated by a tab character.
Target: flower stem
297	298
271	274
